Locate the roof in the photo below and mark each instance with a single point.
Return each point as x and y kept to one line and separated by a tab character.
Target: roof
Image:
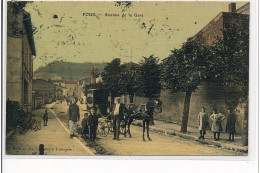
22	19
41	82
208	35
71	82
245	9
28	27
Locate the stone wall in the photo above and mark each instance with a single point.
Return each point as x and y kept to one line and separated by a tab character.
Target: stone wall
208	95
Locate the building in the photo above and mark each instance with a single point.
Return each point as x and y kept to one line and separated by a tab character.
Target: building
58	92
47	76
20	54
245	9
219	27
45	92
72	89
60	87
44	89
38	100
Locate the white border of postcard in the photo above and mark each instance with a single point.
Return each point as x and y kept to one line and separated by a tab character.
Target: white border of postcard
249	166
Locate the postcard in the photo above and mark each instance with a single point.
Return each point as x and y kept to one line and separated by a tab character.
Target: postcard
127	78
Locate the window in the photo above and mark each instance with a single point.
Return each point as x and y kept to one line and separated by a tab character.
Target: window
25	92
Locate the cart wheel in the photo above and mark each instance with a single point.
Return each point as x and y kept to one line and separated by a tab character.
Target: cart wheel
110	126
103	129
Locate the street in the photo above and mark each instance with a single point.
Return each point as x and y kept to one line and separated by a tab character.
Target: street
161	144
54	137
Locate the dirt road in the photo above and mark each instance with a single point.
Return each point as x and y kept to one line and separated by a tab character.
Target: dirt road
161	144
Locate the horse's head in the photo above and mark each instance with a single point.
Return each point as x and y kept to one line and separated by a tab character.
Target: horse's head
157	106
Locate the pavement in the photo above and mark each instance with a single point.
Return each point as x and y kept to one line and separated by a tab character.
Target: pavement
55	138
170	128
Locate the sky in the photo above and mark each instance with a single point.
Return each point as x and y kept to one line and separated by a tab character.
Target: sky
69	31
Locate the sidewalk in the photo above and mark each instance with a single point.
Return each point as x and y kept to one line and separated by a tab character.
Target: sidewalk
193	134
55	138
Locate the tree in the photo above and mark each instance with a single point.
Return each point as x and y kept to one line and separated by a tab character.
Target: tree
234	50
184	70
128	80
111	76
225	63
148	80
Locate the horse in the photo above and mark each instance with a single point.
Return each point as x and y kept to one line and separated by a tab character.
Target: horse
142	112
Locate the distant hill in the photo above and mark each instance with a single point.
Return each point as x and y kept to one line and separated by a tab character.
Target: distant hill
70	70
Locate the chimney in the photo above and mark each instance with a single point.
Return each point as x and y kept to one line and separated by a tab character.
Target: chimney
232	7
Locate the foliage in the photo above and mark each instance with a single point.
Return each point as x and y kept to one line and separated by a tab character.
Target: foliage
148	80
120	79
128	78
225	63
142	79
186	68
234	50
111	75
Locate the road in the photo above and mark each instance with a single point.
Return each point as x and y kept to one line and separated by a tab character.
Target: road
161	144
54	137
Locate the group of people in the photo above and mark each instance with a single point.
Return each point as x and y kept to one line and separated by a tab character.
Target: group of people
90	122
217	119
69	101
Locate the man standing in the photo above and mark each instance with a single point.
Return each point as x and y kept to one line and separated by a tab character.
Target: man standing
73	117
45	117
93	124
119	109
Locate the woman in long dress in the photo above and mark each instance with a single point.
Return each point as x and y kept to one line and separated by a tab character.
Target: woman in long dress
203	122
217	119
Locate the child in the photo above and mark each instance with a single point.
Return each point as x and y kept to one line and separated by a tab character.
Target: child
203	122
217	119
45	117
93	123
230	127
84	125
